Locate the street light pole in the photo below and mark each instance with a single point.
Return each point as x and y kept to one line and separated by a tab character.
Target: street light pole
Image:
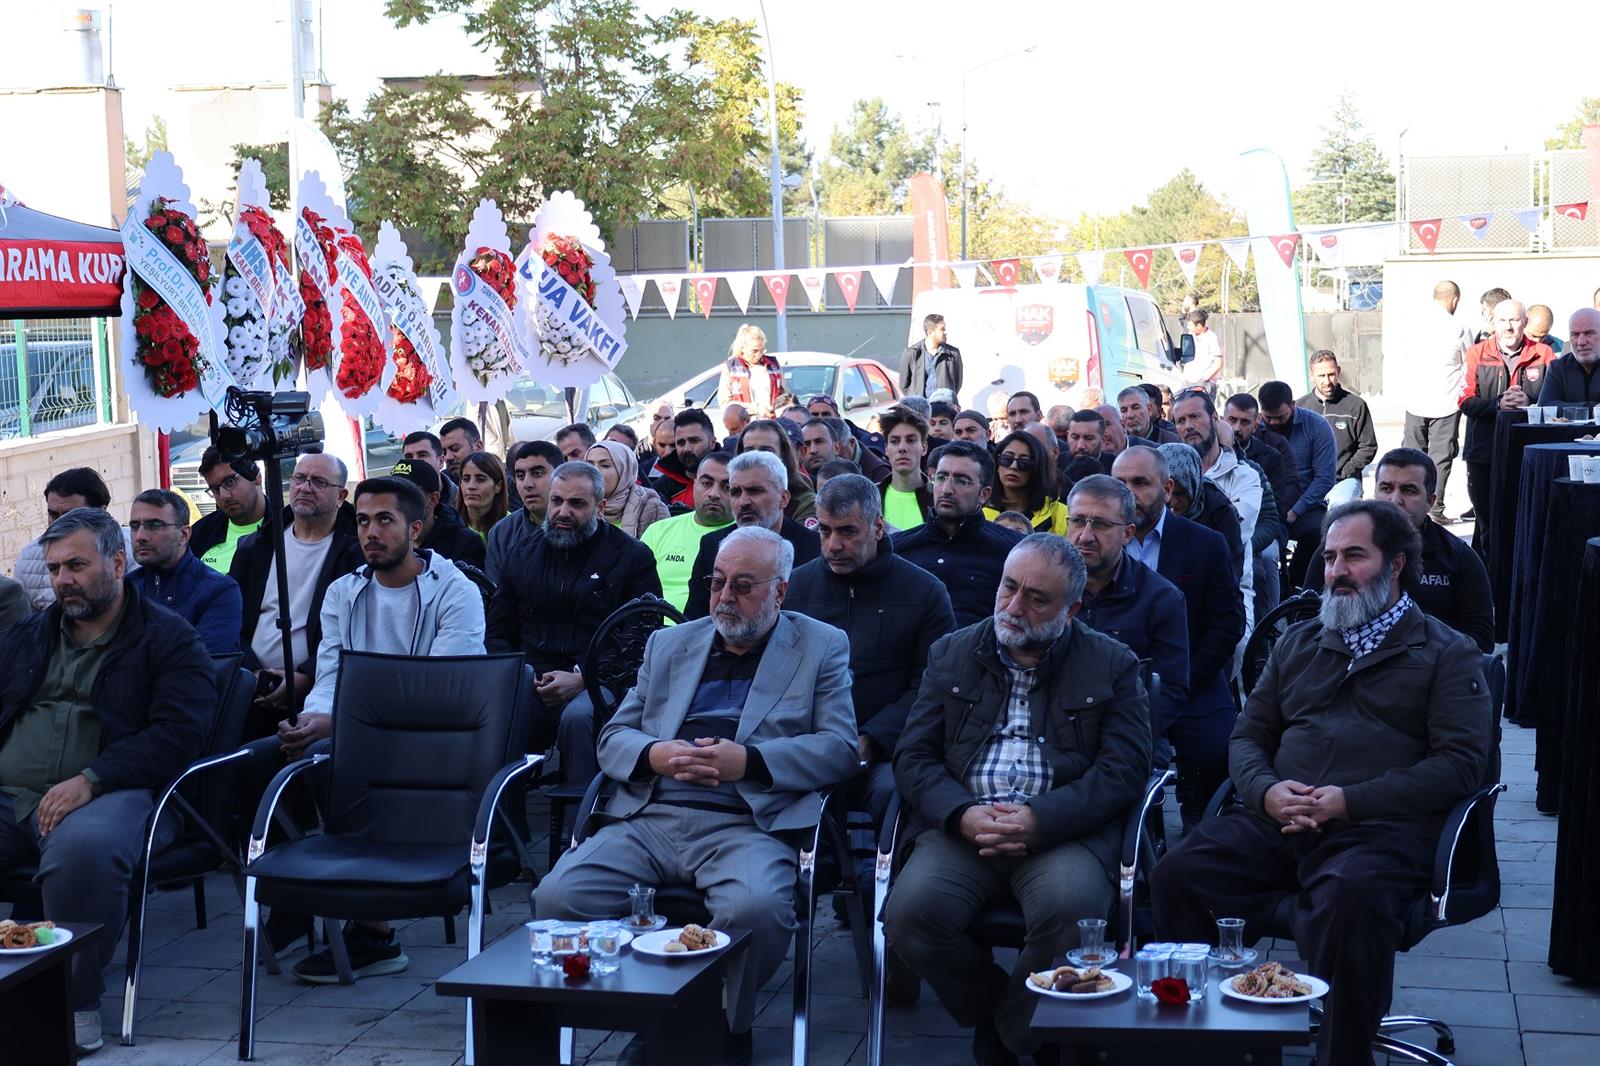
780	340
964	73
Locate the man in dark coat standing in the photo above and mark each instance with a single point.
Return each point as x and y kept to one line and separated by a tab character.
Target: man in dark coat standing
931	364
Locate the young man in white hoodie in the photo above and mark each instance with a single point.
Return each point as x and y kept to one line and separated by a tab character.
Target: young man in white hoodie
404	601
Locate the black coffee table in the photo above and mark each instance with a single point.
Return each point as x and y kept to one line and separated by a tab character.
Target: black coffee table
36	1002
519	1010
1126	1029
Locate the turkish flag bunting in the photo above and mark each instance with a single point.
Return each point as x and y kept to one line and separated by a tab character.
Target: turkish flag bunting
1048	267
632	292
849	282
1188	257
1140	259
1006	272
811	284
705	290
1579	211
669	286
778	287
1427	231
1286	244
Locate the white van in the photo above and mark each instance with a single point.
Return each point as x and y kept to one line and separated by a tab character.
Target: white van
1057	341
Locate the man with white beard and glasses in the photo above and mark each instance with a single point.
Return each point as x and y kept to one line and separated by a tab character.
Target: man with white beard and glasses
1028	741
1367	726
554	595
719	755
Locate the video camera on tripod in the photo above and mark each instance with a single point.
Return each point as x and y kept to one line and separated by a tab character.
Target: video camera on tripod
271	427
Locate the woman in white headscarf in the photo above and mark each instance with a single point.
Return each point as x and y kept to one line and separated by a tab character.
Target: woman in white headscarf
628	505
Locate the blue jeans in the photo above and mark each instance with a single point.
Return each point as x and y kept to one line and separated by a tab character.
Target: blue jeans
84	869
1344	491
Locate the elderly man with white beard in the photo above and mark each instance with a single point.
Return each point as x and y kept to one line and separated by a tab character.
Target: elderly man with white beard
1366	727
1028	741
719	755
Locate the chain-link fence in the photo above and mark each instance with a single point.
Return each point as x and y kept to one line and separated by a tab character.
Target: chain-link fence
868	240
1477	198
746	244
52	375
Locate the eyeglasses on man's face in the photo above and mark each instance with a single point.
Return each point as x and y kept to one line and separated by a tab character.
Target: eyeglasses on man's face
226	485
149	525
742	586
1078	523
321	484
960	481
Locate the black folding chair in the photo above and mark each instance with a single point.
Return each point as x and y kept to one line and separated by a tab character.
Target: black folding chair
1300	607
683	904
1464	885
1002	925
423	751
610	669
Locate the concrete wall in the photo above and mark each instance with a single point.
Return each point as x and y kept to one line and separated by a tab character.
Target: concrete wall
63	151
121	453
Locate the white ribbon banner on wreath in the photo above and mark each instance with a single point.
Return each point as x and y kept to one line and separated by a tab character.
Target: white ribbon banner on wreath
409	315
478	299
160	269
249	257
578	319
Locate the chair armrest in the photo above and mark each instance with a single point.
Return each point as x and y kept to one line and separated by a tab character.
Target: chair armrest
1220	799
591	796
1444	856
199	766
1133	834
269	803
491	800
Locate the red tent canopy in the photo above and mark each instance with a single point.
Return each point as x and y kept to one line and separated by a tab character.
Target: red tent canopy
55	268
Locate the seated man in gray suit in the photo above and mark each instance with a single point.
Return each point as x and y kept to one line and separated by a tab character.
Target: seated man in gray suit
718	753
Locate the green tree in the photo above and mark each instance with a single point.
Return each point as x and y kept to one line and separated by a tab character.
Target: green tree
1180	211
630	112
870	161
1349	178
136	156
1570	133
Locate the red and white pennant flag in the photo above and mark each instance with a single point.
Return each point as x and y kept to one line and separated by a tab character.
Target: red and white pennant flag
1188	257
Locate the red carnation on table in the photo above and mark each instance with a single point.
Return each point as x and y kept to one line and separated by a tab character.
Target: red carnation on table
1170	991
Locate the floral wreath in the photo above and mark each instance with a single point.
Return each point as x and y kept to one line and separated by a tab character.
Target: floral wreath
573	263
411	378
361	353
249	336
316	328
485	357
164	346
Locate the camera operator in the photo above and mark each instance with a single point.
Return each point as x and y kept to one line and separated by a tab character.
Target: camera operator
320	546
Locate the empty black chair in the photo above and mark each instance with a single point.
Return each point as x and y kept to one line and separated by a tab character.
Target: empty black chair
422	750
1464	886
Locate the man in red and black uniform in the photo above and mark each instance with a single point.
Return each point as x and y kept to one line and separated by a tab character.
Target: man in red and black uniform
1503	373
693	439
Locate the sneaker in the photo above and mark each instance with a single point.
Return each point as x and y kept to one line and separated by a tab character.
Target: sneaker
86	1031
372	954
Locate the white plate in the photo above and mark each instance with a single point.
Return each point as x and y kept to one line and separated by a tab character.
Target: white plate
655	944
61	937
1319	988
1121	980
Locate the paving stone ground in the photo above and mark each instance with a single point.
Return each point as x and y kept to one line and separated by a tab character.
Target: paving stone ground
1487	979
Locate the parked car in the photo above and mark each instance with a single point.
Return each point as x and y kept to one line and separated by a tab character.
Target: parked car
1057	341
863	388
537	411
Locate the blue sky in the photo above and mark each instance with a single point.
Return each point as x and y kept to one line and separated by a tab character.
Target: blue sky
1114	100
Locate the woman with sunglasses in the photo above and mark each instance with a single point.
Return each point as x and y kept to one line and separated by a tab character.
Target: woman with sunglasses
1025	478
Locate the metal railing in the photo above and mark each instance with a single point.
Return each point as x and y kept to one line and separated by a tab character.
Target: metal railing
54	374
